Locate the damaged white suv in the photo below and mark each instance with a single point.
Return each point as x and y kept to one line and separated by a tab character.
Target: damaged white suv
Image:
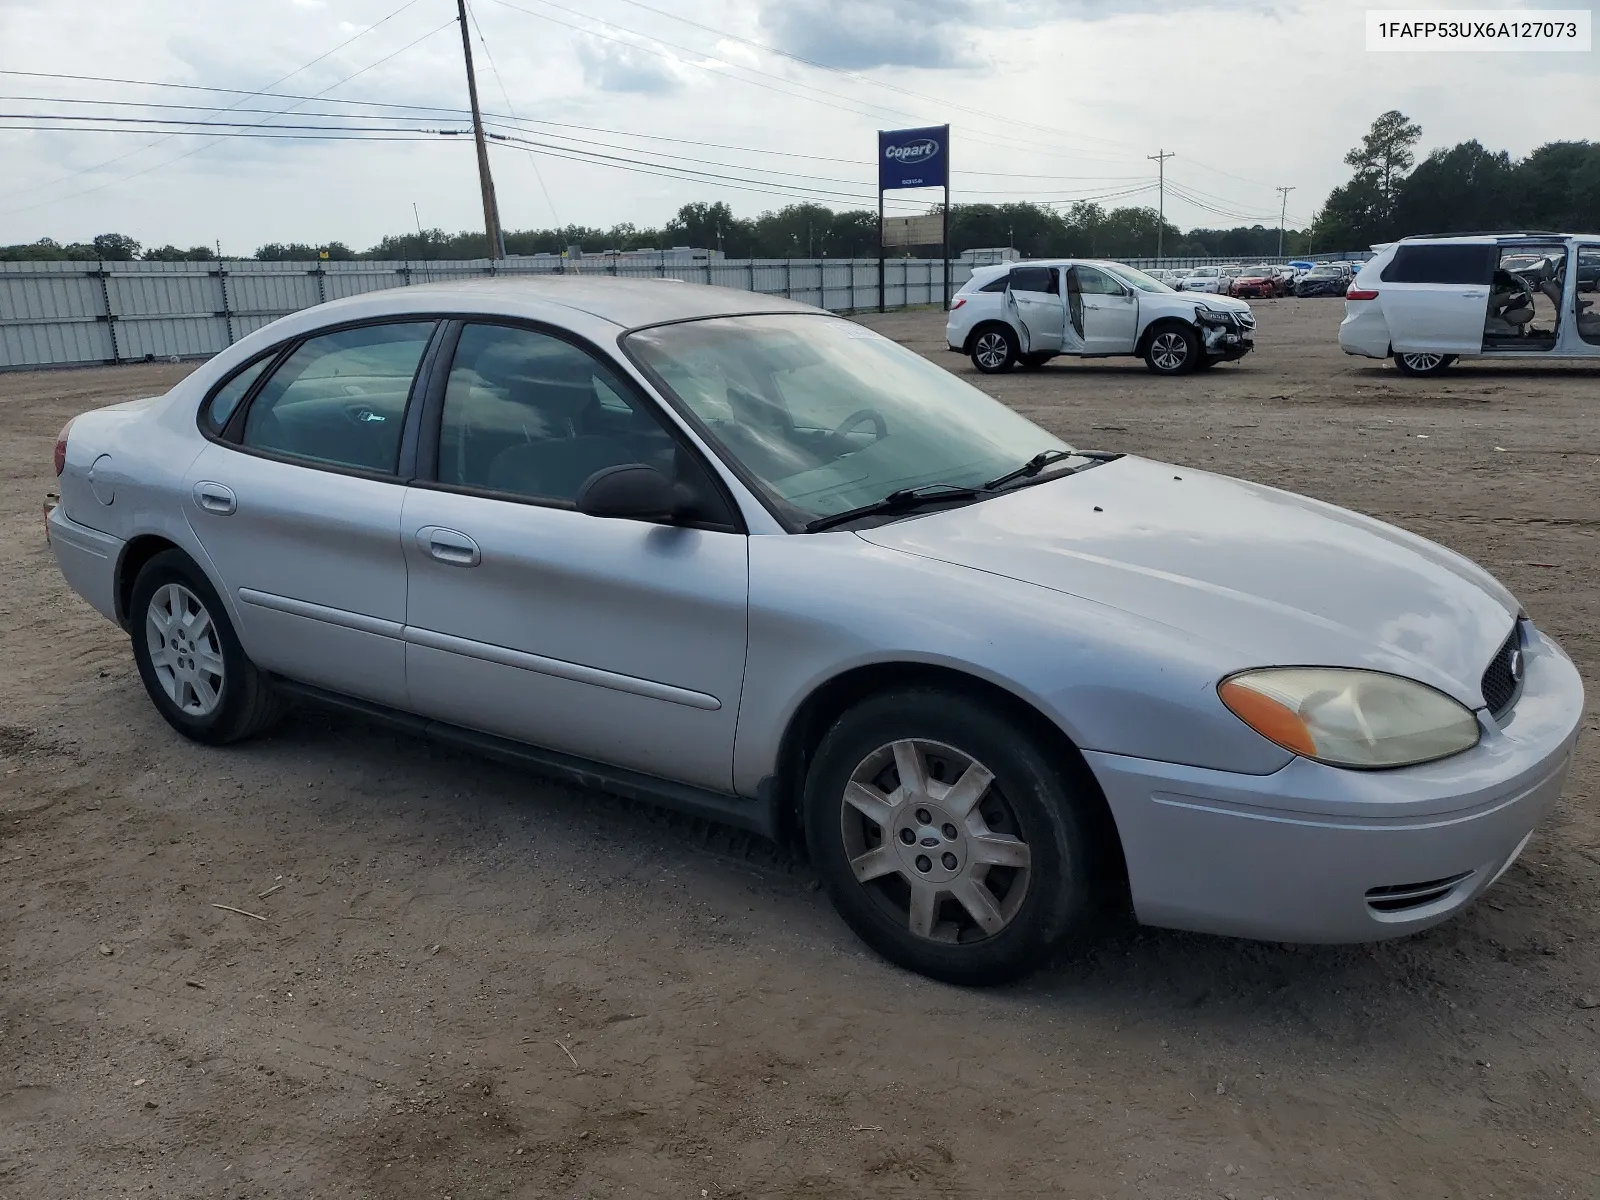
1427	301
1028	313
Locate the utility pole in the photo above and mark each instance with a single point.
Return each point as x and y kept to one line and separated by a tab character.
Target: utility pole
1283	215
1160	159
491	211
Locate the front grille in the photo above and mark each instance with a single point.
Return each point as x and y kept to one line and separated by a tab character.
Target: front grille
1399	897
1502	679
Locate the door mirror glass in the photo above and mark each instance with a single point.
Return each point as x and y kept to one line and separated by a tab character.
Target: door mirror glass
631	492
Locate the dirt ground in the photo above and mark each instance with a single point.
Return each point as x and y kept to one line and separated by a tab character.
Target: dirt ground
471	983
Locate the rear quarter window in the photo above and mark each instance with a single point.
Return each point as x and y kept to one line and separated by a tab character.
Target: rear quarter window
1441	264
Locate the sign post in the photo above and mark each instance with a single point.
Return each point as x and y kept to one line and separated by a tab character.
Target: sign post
913	158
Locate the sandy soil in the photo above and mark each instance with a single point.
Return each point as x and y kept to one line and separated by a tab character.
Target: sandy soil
471	983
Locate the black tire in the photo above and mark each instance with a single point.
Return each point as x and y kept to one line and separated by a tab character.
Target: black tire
1048	805
1420	366
1032	362
1166	356
245	703
994	349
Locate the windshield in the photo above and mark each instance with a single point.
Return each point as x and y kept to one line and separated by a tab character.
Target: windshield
1136	278
1203	273
828	415
1324	272
1262	272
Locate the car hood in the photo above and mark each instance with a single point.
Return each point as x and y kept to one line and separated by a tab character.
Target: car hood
1268	577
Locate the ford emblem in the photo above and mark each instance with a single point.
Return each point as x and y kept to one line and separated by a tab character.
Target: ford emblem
920	150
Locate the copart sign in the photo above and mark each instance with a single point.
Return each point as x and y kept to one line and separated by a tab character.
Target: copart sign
910	158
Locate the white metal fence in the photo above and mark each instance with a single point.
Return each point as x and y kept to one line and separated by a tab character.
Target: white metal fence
62	313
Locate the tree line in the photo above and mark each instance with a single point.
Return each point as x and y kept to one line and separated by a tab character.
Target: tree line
1454	189
1457	189
796	231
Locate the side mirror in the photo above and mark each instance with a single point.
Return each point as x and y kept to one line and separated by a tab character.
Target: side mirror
633	491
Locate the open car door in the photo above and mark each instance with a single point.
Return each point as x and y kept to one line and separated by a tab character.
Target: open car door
1033	302
1073	342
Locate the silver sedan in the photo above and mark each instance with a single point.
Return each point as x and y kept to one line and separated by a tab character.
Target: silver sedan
752	560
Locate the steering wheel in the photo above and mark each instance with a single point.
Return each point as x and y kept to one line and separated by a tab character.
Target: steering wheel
880	427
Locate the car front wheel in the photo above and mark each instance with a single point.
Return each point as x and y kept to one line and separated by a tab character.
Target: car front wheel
189	657
1172	350
948	840
1422	365
995	350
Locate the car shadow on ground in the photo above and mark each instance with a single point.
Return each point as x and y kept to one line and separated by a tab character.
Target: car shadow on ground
1123	974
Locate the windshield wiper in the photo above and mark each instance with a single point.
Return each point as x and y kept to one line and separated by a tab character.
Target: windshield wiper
903	500
1042	460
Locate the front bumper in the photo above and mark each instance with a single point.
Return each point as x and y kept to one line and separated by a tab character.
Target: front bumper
1227	342
1313	853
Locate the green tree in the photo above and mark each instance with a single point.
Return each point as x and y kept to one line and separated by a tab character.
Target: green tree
1461	188
115	247
1384	157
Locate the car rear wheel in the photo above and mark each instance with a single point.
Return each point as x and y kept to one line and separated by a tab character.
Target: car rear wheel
947	839
189	657
1172	350
995	350
1422	365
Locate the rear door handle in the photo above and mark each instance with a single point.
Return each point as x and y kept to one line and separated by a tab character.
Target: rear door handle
448	546
215	498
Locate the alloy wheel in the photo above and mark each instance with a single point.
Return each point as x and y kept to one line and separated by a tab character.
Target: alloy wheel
1169	351
991	350
184	649
1423	362
930	837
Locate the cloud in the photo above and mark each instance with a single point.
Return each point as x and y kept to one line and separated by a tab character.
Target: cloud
889	33
613	67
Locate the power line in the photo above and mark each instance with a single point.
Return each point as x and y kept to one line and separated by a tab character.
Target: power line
223	137
273	84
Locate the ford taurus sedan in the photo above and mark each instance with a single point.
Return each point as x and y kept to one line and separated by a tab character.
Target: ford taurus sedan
740	556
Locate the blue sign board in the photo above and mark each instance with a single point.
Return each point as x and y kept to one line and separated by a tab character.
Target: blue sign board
912	158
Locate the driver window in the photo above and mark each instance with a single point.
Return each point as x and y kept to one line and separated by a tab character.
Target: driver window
1095	282
530	415
340	399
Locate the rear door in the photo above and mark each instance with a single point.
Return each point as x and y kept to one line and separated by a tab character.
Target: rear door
1435	296
1034	298
1110	312
296	501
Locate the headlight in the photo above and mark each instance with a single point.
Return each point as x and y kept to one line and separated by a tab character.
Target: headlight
1350	718
1213	316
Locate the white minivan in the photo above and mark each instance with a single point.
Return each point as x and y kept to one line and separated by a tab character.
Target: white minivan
1427	301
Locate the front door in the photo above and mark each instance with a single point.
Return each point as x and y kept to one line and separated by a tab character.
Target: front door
297	505
1034	296
1110	312
615	640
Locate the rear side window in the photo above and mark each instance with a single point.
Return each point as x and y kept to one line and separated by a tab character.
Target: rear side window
1035	279
340	398
1447	263
226	398
997	284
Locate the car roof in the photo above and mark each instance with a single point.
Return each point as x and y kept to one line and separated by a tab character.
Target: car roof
627	303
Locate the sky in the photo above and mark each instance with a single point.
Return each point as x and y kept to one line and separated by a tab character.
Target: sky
1050	101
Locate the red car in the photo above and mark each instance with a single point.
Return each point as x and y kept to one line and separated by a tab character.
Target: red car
1261	282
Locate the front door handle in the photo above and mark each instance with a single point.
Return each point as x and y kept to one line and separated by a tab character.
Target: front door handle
448	546
215	498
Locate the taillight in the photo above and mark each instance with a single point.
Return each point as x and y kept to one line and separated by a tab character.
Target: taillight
61	447
957	303
1360	294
